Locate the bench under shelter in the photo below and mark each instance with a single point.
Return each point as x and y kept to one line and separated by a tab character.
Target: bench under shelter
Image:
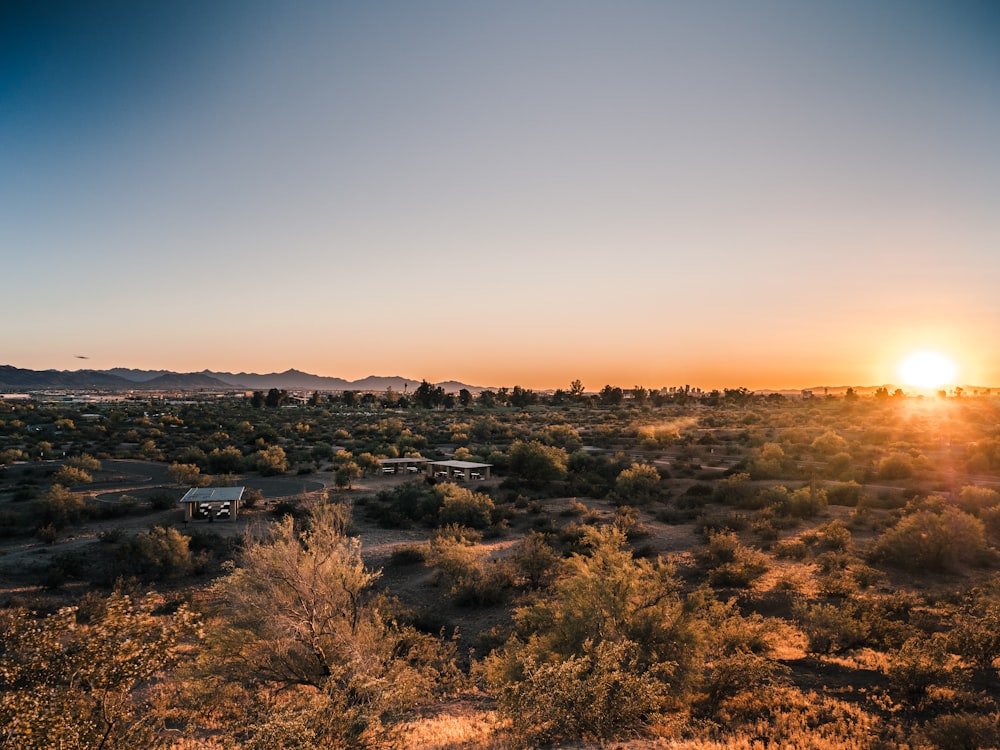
461	470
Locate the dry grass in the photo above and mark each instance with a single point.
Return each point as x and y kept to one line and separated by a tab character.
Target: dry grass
464	724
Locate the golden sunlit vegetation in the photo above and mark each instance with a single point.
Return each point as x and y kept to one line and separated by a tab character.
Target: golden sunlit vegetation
654	569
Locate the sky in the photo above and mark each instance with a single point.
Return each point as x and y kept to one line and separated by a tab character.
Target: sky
773	194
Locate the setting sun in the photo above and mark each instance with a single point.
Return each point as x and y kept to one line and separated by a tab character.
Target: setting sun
927	370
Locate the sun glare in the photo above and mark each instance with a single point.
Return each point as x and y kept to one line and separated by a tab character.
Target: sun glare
927	370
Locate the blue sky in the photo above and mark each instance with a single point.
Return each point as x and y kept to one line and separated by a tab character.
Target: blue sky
772	194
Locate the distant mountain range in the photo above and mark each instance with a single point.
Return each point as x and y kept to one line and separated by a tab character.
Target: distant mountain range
120	378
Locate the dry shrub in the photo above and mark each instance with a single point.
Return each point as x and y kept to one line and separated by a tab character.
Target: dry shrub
933	541
919	664
475	580
963	731
599	694
732	563
789	718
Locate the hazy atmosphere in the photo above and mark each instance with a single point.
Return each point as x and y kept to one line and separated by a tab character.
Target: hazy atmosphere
775	194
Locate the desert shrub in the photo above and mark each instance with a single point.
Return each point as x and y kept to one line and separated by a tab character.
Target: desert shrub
537	463
398	506
933	541
157	553
627	519
975	634
251	498
769	462
464	507
807	502
573	508
975	500
917	665
834	536
312	645
832	628
839	466
228	460
72	684
723	522
187	474
637	485
84	462
793	549
475	580
732	563
846	493
533	561
59	507
894	466
594	695
829	443
163	501
737	491
71	475
271	461
47	534
765	528
611	626
289	506
962	731
114	535
837	583
408	554
738	674
991	521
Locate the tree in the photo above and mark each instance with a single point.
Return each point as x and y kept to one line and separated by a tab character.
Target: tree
465	397
576	390
71	684
275	398
306	623
345	475
428	396
521	397
611	395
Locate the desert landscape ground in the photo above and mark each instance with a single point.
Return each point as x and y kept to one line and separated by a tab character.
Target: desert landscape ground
727	570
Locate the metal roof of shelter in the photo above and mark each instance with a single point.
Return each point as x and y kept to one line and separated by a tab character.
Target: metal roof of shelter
212	495
461	464
407	460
